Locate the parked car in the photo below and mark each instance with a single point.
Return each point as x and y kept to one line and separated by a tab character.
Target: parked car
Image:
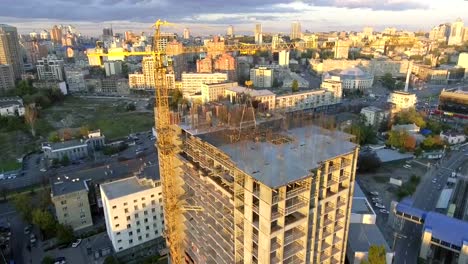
374	193
76	243
32	239
60	260
378	205
384	211
27	230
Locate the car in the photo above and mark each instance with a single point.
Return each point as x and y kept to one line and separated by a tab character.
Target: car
434	180
76	243
43	170
27	230
32	239
439	187
60	260
374	193
378	205
384	211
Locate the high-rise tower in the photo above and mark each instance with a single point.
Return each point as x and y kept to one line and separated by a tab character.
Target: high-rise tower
10	49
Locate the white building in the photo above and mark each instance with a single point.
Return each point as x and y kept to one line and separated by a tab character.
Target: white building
186	33
214	91
192	82
262	77
374	115
333	84
452	138
74	78
296	32
402	100
305	100
341	49
264	96
283	58
50	68
133	211
463	62
113	68
356	79
11	106
456	33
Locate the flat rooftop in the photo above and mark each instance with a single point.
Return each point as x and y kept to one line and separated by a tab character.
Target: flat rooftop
276	165
64	185
360	206
123	187
362	236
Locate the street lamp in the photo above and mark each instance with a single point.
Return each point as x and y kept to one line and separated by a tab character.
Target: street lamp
395	236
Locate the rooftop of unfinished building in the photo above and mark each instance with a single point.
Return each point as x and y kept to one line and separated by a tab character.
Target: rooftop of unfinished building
287	158
124	187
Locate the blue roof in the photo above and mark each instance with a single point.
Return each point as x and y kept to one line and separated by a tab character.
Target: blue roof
448	229
409	210
425	132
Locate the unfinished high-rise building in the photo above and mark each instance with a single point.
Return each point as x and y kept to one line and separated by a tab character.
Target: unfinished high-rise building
268	196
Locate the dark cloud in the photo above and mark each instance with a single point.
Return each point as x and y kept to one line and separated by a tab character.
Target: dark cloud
174	10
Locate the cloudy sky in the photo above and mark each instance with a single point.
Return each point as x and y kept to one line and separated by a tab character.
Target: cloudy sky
213	16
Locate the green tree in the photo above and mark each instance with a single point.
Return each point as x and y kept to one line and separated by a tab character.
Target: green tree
44	220
176	98
111	260
64	234
24	88
22	203
65	161
376	255
3	193
295	86
131	107
48	260
410	116
388	81
432	143
84	130
368	162
54	137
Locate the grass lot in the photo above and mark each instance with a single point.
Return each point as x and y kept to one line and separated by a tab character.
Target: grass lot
108	115
12	146
9	165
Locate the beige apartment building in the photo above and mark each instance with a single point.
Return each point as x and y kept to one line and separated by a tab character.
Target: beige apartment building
262	77
402	100
273	197
133	211
314	99
214	91
71	202
7	78
192	82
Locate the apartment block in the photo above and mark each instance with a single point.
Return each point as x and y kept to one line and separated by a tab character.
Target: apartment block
133	211
269	197
7	78
315	99
402	100
10	52
71	202
50	68
374	115
192	82
214	91
262	77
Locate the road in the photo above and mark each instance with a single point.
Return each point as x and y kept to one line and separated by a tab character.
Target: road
426	196
33	163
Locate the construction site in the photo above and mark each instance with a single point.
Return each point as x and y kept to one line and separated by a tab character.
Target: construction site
241	185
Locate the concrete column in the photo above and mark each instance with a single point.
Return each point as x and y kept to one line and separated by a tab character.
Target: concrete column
463	253
425	243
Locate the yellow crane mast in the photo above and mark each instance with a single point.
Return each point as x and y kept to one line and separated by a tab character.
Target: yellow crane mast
167	148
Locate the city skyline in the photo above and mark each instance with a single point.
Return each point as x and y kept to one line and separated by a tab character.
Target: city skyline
275	15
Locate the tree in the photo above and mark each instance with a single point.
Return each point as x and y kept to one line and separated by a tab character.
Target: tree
65	160
54	137
111	260
48	260
131	107
4	192
44	220
368	162
410	116
22	203
388	81
295	86
409	143
30	116
376	255
24	88
84	130
67	134
432	143
64	234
